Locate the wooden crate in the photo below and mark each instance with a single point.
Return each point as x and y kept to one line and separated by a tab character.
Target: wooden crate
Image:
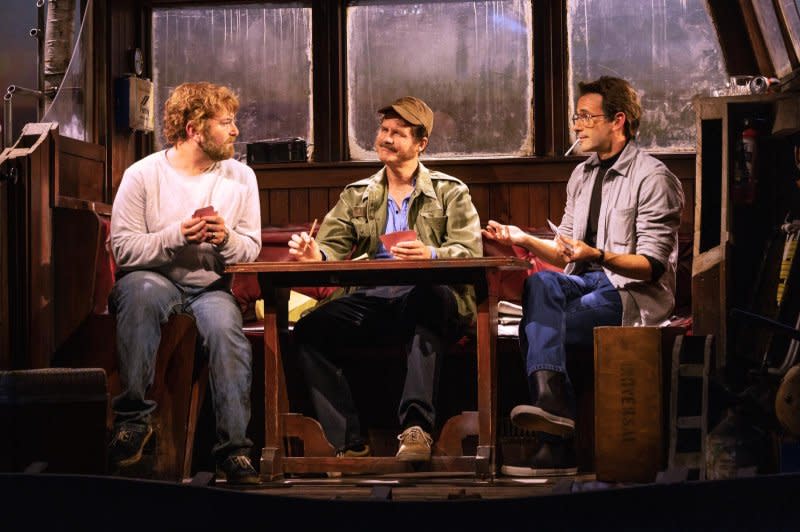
53	415
631	373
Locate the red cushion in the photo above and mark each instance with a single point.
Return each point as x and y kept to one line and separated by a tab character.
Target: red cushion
511	281
274	248
105	269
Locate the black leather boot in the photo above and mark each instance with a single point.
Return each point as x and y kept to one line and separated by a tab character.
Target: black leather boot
554	457
551	412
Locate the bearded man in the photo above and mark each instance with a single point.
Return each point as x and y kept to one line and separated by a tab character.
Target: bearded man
180	215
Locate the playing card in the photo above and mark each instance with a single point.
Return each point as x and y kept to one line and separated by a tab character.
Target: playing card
554	228
205	211
391	239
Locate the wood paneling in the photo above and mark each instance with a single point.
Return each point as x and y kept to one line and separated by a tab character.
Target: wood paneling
524	193
318	203
81	170
539	202
124	147
299	204
279	208
519	204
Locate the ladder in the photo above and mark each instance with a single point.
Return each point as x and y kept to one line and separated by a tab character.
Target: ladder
688	412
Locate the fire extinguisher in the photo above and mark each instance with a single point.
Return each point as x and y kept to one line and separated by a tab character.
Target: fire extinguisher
749	151
744	176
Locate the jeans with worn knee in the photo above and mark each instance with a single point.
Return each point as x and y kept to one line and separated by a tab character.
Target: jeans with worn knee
560	310
424	319
142	302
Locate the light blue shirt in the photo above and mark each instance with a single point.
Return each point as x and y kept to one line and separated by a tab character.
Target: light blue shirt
396	220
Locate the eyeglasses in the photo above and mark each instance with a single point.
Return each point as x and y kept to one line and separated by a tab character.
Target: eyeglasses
585	120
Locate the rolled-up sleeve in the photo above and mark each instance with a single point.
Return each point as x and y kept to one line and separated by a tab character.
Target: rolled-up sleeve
658	215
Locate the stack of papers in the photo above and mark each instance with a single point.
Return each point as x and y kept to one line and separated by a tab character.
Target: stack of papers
508	317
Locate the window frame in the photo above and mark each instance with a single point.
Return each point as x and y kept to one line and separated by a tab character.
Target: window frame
328	42
551	126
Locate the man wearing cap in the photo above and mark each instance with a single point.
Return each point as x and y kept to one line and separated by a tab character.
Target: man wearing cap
404	195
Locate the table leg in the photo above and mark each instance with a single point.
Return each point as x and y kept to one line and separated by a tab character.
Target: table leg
487	376
275	397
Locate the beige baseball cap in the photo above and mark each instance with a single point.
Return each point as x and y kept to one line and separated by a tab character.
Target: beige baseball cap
413	110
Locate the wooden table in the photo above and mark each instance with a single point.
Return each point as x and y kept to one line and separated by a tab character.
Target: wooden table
319	455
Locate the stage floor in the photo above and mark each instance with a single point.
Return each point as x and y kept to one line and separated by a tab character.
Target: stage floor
419	487
86	503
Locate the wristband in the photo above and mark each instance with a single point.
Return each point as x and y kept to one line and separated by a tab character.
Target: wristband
600	260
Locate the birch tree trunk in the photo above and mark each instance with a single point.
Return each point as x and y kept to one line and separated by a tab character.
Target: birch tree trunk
58	35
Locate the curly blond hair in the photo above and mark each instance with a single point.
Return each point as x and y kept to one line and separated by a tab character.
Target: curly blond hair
196	103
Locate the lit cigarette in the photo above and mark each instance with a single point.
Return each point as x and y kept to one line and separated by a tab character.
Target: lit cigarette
572	147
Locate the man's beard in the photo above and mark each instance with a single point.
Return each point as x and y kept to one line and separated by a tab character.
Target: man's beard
217	151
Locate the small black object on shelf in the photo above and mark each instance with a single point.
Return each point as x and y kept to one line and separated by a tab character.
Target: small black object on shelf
284	150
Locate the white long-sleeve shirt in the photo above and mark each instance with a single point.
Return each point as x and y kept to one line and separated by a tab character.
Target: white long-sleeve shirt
154	199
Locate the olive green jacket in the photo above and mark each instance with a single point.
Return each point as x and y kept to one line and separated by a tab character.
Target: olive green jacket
440	211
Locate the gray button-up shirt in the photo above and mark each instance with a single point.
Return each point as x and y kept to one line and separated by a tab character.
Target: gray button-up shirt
640	214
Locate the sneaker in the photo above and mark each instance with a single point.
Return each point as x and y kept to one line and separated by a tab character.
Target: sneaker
534	418
237	469
552	458
128	442
415	445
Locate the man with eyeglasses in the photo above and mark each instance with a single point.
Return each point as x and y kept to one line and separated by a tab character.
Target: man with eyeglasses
180	215
618	244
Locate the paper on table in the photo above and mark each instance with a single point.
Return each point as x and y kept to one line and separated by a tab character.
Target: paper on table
554	228
391	239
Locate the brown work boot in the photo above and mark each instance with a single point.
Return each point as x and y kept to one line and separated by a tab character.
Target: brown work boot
415	445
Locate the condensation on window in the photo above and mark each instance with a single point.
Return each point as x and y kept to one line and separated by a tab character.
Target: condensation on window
471	62
668	51
261	51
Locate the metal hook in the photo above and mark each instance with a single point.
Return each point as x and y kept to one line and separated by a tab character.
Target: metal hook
8	173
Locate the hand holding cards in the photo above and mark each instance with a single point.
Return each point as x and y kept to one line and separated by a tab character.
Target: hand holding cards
204	211
554	228
391	239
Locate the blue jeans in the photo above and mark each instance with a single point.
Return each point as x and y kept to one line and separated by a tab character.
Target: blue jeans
560	310
143	301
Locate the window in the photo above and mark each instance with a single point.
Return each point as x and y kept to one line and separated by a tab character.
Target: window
69	105
471	61
667	49
790	13
262	51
